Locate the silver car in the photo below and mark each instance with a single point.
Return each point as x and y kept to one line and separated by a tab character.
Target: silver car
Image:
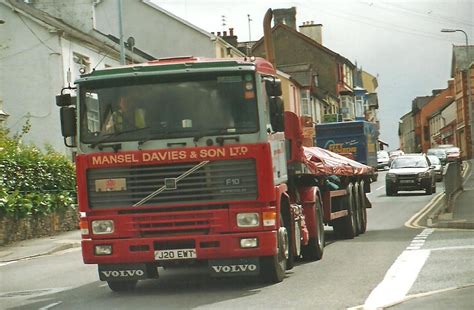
409	173
437	167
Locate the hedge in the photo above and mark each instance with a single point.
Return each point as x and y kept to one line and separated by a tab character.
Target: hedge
33	182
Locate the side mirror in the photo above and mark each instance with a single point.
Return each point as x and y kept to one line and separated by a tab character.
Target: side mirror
277	110
63	100
68	124
273	87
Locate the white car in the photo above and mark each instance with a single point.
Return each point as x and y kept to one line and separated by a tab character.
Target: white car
382	159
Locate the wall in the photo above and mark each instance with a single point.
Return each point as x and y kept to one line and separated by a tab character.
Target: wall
33	74
434	105
30	78
12	230
407	134
291	49
155	32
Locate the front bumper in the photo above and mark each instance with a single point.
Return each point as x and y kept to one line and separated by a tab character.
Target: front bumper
409	184
218	246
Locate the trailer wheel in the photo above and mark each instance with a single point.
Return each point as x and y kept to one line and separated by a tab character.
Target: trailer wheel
346	227
314	250
274	267
357	207
122	286
363	208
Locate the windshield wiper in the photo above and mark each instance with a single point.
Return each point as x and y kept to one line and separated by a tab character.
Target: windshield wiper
109	136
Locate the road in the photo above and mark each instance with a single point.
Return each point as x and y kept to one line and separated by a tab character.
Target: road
389	263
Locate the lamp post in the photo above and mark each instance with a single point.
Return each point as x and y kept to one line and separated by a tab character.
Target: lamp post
469	101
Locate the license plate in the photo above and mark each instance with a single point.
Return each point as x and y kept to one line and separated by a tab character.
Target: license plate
175	254
407	181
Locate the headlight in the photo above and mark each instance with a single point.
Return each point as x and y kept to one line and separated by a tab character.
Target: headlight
102	227
424	174
391	176
248	220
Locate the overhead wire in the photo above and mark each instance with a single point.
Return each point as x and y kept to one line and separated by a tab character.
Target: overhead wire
36	36
427	16
377	23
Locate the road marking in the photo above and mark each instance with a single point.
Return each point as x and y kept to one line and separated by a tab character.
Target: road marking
50	305
451	248
378	188
400	277
7	263
413	222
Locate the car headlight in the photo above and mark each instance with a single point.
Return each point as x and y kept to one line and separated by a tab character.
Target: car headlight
103	227
424	174
248	220
391	176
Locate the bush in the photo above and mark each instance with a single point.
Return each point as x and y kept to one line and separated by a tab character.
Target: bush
33	182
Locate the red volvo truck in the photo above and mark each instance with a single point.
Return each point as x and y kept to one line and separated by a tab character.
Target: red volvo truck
214	172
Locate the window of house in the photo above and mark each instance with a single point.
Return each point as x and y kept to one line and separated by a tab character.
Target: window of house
80	62
347	106
305	103
359	106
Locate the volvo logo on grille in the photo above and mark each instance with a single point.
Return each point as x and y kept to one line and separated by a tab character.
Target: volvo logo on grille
170	183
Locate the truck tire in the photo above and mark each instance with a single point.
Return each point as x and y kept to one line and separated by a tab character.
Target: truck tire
314	250
122	286
345	227
357	206
290	260
274	267
363	208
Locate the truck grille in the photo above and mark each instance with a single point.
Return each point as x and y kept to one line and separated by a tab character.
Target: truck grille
216	181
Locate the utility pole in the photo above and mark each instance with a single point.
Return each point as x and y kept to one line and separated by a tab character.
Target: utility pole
250	36
122	43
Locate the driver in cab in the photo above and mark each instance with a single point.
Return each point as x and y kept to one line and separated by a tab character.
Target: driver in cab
127	117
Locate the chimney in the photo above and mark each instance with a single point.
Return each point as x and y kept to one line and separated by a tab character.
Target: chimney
313	31
231	38
286	17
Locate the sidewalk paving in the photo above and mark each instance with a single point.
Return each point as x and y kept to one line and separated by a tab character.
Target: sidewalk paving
40	246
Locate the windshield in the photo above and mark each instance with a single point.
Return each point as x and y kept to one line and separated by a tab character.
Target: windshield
382	155
434	160
452	150
409	162
168	107
437	152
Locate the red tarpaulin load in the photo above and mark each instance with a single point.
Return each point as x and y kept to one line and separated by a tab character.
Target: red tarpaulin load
324	162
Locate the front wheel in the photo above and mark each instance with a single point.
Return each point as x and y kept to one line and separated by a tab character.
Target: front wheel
122	286
274	267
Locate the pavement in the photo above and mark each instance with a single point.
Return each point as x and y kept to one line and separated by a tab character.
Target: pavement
461	216
38	247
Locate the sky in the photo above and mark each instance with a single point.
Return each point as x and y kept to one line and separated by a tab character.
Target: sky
400	42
